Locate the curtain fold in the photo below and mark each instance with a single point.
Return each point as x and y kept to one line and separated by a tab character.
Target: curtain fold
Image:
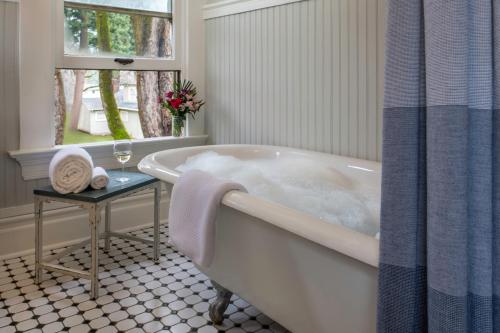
440	246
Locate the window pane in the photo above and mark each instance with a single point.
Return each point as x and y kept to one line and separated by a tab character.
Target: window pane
83	117
116	33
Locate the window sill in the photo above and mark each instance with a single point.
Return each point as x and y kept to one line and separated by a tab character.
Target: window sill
35	162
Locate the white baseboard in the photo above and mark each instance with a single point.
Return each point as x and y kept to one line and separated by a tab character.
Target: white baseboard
68	225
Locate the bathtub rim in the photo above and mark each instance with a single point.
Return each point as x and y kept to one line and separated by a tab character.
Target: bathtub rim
351	243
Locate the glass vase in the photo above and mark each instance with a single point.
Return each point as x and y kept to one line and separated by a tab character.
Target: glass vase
177	126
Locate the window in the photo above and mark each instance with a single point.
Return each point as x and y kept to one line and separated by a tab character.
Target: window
118	58
136	28
83	117
100	116
42	44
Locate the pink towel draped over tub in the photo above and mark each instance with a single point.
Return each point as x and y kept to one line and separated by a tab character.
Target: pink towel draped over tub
196	197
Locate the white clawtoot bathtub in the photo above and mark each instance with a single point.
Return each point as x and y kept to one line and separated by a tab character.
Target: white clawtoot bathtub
309	275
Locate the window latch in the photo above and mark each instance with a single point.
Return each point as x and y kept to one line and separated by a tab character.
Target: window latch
124	61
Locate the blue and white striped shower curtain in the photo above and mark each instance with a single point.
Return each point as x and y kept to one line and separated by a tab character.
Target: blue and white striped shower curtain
440	221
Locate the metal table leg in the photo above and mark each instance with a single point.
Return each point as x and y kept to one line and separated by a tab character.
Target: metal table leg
38	239
107	227
156	229
95	217
94	210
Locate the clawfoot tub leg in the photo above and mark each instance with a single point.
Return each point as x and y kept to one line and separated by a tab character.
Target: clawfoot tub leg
219	306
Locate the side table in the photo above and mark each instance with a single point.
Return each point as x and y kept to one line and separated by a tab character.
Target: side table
94	201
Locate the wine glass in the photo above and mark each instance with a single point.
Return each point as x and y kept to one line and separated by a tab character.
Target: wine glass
122	150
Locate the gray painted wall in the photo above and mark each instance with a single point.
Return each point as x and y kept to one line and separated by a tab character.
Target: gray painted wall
13	189
307	75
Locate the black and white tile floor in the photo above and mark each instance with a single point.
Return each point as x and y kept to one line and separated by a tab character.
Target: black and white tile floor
136	295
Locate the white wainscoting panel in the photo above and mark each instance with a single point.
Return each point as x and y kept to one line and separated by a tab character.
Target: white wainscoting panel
307	74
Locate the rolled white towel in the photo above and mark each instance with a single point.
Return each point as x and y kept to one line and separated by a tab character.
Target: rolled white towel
100	178
70	170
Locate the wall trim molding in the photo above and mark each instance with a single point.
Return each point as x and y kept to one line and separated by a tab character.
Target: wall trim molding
35	162
67	225
231	7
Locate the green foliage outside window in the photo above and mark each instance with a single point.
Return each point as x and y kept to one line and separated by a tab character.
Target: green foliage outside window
120	28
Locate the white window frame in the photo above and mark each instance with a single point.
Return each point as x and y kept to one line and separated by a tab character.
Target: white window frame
40	52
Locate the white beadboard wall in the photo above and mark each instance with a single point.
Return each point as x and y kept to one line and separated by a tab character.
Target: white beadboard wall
13	189
307	75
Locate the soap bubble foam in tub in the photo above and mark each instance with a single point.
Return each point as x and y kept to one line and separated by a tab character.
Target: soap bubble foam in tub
295	182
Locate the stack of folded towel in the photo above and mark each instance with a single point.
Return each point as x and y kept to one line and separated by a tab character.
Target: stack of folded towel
72	171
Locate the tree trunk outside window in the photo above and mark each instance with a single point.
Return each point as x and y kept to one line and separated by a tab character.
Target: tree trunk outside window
165	79
80	74
146	44
60	114
77	97
115	124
